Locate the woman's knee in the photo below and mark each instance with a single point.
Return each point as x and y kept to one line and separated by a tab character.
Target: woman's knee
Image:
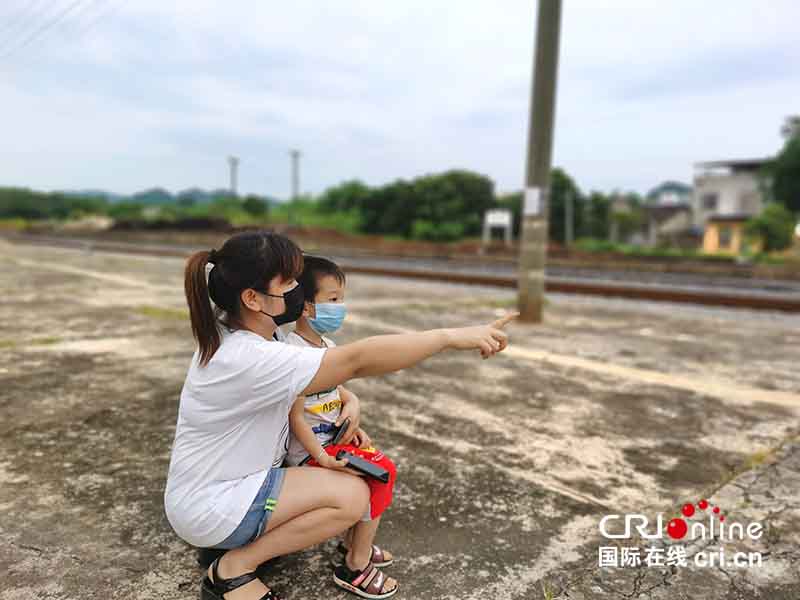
355	496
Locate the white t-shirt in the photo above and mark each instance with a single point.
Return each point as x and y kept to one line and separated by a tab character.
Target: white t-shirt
233	424
320	410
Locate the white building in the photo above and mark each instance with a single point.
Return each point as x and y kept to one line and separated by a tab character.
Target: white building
727	188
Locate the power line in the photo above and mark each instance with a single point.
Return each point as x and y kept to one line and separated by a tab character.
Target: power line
43	29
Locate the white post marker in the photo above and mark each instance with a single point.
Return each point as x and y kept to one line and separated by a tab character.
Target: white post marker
498	217
533	202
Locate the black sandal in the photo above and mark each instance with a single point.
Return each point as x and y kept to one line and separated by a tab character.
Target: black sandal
369	583
215	590
206	556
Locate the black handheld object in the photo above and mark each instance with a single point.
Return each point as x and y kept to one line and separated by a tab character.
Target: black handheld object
362	465
342	430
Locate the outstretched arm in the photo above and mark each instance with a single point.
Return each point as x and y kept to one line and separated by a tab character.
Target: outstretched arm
388	353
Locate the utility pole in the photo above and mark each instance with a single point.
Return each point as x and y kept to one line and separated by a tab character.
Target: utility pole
533	246
295	154
233	162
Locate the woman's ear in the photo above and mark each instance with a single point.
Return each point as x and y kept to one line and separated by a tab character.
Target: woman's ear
248	298
308	309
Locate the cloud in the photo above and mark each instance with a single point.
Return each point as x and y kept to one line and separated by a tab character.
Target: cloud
133	94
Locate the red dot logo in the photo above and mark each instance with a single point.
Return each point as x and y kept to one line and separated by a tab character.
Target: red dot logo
687	510
721	518
703	504
677	528
716	510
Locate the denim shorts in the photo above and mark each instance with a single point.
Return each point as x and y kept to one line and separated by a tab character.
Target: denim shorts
255	521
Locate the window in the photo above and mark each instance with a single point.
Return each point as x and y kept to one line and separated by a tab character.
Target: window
709	201
725	236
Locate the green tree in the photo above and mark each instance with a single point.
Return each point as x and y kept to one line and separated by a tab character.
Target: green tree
441	206
775	226
344	197
784	173
255	206
561	187
126	210
453	198
596	222
30	204
791	127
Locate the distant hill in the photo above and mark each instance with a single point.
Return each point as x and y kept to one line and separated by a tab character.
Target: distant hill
153	196
110	196
160	196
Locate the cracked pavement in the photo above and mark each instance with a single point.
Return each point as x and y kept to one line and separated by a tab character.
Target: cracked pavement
506	466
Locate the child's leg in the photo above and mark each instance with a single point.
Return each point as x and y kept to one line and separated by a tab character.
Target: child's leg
347	538
360	549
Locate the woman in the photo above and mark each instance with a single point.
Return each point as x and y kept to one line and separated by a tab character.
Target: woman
225	488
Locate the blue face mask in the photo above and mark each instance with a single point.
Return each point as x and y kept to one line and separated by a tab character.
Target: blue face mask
329	317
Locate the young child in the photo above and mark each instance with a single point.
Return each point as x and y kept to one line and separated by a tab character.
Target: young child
313	425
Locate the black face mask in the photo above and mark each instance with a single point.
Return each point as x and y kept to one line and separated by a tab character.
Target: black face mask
294	305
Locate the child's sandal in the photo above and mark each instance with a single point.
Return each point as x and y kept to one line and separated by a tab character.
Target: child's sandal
379	558
369	583
215	590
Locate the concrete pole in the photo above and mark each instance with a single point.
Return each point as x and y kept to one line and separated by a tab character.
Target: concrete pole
613	226
295	173
652	229
533	245
233	162
295	154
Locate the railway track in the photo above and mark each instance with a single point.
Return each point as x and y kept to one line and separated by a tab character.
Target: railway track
685	294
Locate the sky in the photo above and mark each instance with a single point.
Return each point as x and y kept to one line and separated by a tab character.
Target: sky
124	95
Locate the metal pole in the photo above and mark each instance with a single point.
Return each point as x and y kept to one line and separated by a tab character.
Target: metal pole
533	247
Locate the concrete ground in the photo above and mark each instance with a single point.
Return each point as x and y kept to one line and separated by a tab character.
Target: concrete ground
506	466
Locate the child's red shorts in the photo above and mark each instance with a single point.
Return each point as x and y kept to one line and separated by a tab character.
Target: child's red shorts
380	493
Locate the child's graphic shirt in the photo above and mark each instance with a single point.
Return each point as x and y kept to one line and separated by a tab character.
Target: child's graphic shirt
321	410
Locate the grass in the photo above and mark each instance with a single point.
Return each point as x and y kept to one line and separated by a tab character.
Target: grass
757	458
14	224
604	246
157	312
45	341
547	592
307	215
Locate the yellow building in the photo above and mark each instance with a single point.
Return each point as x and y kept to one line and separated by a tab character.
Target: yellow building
726	235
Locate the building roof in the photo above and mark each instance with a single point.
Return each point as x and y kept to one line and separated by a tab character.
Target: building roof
743	164
675	187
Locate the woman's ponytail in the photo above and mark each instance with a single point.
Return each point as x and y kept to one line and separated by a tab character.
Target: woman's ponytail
201	313
250	259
